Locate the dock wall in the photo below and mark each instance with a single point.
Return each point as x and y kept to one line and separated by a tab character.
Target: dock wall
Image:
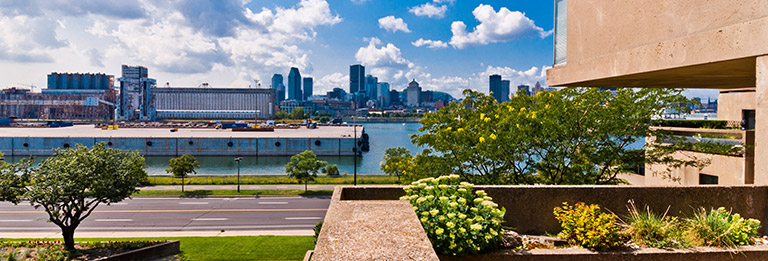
232	146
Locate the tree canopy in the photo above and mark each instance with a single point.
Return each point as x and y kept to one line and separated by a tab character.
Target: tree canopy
181	166
570	136
304	167
70	184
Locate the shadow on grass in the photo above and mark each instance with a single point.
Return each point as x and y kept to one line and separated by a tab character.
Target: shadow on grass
196	194
317	193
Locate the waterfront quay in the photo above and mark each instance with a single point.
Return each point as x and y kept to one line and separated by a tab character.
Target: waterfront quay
324	141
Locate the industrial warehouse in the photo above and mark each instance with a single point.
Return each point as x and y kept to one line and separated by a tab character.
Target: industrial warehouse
95	98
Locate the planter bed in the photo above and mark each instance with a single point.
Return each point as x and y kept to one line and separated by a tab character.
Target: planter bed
54	250
641	254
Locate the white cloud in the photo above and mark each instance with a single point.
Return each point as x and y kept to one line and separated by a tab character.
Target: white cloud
429	43
430	10
334	80
386	62
501	26
392	24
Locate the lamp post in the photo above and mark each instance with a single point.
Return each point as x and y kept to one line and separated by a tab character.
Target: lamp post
354	150
238	159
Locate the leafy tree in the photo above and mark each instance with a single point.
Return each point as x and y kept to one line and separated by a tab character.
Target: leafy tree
182	166
331	170
280	115
571	136
304	167
70	184
297	113
398	162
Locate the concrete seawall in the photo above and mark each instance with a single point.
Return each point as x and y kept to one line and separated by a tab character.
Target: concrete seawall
332	141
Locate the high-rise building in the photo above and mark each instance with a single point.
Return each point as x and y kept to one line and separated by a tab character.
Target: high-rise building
294	85
279	87
356	78
135	98
382	94
394	98
413	94
337	93
370	86
307	88
537	88
494	83
525	89
504	91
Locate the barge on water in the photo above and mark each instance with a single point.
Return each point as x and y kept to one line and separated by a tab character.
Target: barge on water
324	141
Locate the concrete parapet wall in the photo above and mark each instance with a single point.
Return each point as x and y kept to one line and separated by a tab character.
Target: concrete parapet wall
529	208
163	146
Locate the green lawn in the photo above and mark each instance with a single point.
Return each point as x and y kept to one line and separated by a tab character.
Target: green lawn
243	192
232	248
268	179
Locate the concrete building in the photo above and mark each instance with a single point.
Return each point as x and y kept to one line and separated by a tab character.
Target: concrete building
294	85
413	94
279	87
717	44
356	78
79	81
214	103
58	104
371	83
505	90
494	87
307	88
135	95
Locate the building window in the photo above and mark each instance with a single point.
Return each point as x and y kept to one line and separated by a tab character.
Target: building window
561	28
748	119
705	179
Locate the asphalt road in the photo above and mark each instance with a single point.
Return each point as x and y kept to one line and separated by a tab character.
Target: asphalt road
179	214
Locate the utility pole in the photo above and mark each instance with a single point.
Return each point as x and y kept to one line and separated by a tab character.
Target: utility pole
238	159
354	123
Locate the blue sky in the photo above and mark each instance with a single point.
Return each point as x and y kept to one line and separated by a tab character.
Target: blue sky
446	45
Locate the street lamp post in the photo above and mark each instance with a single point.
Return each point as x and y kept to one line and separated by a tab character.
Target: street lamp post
238	159
354	123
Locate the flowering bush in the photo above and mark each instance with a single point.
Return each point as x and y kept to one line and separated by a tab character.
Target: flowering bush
588	227
719	227
458	220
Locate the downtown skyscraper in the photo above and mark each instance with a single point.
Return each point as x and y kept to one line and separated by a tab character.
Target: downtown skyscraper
279	86
356	78
294	85
307	88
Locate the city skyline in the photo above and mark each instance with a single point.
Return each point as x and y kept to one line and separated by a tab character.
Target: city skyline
446	45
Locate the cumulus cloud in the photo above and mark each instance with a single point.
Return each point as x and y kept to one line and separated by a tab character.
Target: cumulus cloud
430	10
429	43
95	57
392	24
501	26
28	39
334	80
386	62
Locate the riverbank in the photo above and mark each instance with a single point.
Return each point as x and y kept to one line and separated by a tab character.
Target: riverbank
159	180
382	120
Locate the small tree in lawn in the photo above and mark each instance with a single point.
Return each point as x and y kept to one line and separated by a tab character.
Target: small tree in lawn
182	166
331	170
70	184
304	167
397	162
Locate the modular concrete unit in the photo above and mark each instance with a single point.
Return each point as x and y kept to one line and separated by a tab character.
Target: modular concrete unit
324	141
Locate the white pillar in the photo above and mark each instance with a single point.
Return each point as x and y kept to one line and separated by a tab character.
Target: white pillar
761	121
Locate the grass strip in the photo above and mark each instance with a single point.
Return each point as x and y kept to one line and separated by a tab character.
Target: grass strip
228	248
243	192
268	179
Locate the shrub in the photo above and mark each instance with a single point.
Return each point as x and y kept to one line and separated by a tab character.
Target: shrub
587	226
458	220
317	229
720	228
649	229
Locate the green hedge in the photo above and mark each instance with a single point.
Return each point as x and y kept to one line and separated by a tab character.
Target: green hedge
706	124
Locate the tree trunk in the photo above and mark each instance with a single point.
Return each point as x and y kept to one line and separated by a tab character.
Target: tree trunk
69	237
305	186
182	183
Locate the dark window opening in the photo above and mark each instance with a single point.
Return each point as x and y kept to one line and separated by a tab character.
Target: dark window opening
705	179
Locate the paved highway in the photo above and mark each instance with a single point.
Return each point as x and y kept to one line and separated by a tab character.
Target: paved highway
179	214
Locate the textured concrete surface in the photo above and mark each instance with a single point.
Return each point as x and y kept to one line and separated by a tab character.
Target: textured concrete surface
649	43
761	122
372	230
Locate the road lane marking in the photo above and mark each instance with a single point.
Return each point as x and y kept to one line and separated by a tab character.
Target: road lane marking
114	220
302	218
193	203
210	219
179	210
272	203
185	228
15	220
279	197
